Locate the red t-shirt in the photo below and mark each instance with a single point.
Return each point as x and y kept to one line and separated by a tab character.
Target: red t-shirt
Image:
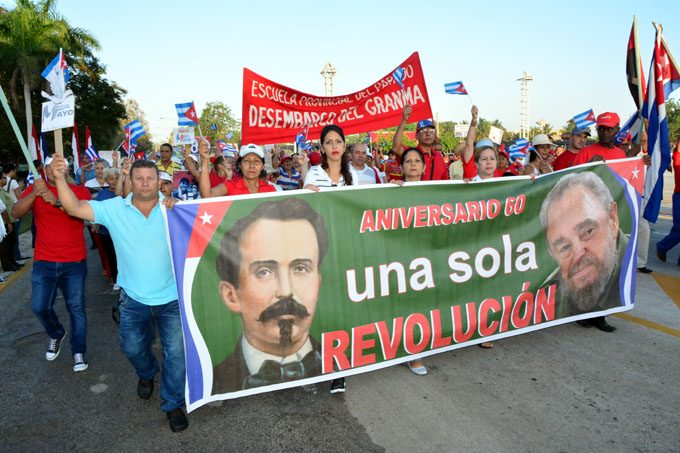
469	168
564	160
596	149
238	187
439	172
59	236
214	179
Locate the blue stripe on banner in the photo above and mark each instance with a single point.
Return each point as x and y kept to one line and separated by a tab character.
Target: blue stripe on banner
178	219
50	67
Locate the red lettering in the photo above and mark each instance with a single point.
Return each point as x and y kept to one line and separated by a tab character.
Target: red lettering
421	216
333	347
433	215
461	213
507	309
447	212
359	344
367	222
486	329
473	210
458	335
437	340
545	305
390	344
406	216
413	321
518	320
383	219
493	207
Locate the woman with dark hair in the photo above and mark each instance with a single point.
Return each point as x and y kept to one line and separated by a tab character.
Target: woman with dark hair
332	172
220	171
412	167
251	165
334	168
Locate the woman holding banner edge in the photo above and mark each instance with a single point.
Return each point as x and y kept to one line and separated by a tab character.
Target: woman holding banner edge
332	172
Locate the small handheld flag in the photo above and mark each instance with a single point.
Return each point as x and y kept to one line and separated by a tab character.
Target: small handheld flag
457	88
399	78
57	75
585	119
518	150
213	127
229	135
91	153
186	114
75	148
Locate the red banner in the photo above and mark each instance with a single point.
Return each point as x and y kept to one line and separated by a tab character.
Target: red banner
273	113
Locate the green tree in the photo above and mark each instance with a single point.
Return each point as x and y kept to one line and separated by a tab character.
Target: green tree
100	105
673	115
569	126
219	114
31	35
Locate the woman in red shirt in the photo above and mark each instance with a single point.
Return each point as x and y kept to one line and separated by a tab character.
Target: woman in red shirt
251	165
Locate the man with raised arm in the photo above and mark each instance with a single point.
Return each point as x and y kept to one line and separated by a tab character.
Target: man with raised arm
148	296
435	167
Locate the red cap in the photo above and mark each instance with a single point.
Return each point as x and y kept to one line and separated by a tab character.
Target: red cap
284	158
608	119
314	158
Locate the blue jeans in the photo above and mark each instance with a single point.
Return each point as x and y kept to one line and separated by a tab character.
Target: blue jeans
673	238
137	331
70	279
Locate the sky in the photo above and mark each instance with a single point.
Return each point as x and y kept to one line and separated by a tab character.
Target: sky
166	52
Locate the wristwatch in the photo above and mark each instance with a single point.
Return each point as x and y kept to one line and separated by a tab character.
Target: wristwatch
58	203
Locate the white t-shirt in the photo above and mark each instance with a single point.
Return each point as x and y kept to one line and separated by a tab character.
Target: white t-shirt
365	176
10	186
318	177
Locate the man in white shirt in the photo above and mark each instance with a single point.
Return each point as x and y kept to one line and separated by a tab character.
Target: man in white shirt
362	173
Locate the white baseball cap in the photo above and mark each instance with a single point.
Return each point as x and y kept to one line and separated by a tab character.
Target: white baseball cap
251	148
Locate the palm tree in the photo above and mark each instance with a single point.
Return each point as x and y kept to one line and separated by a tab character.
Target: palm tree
30	37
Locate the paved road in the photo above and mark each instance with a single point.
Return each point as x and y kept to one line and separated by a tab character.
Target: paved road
565	388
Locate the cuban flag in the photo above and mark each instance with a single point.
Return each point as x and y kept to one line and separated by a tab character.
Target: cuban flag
90	152
29	179
455	88
368	139
186	114
519	149
213	127
585	119
134	130
398	75
221	145
633	127
75	148
664	77
301	138
57	74
229	135
34	146
43	148
231	148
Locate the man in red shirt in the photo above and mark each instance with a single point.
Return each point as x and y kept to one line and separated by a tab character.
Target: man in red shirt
577	142
435	167
60	254
607	128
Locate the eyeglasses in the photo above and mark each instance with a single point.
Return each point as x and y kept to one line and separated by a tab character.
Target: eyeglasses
427	131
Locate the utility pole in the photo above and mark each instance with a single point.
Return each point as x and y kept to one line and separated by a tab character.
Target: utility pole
328	72
524	81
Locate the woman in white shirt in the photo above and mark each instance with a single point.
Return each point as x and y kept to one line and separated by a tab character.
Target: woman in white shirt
334	168
98	181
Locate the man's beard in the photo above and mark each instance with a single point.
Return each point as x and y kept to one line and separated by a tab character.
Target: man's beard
284	307
585	299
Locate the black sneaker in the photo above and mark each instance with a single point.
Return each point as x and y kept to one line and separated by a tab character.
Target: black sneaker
144	388
338	385
79	362
178	421
54	347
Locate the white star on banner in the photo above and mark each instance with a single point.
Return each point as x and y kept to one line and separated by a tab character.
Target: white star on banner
635	174
206	218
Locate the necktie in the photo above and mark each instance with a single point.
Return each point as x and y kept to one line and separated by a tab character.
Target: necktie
272	372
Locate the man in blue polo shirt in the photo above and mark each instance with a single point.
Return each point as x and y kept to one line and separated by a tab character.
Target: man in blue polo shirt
148	295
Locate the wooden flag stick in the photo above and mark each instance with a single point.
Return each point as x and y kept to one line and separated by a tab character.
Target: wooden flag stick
15	126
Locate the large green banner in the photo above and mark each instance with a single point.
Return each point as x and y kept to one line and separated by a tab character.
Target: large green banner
286	289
